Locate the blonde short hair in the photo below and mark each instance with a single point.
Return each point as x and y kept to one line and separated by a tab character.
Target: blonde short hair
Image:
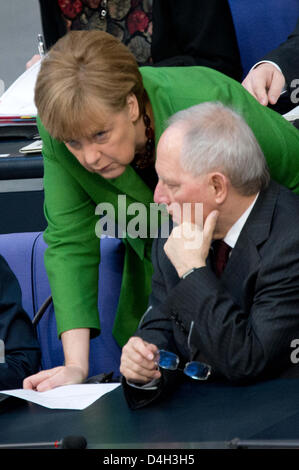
86	75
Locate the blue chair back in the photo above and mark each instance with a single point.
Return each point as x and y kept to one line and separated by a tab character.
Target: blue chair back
261	25
24	252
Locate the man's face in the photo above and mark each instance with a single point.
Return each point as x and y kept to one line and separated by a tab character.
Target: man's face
179	190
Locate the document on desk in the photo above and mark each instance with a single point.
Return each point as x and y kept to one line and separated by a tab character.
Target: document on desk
67	397
18	99
34	147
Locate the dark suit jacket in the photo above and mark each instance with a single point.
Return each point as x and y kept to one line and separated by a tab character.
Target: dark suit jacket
242	324
196	33
287	56
22	355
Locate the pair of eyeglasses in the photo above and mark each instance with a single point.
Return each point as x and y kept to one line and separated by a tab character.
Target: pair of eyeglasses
195	370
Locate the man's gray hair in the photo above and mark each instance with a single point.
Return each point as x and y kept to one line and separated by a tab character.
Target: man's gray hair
216	138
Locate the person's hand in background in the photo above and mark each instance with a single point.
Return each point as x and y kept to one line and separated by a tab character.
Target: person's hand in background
33	61
265	82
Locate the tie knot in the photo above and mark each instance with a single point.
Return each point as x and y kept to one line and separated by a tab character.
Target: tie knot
221	254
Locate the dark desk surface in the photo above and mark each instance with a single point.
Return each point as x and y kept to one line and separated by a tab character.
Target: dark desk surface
19	165
195	416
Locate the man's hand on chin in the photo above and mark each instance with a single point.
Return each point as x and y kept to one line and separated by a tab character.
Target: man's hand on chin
188	245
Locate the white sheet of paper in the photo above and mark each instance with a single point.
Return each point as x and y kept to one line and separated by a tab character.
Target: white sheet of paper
67	397
292	115
18	99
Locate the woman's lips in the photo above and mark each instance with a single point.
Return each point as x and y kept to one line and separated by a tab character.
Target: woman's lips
105	168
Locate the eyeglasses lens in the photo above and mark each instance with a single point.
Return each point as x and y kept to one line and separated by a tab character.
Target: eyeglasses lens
197	370
168	360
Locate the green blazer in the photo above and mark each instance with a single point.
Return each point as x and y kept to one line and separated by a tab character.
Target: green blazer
72	193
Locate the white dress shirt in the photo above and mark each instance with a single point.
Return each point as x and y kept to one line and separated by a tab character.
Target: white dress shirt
233	234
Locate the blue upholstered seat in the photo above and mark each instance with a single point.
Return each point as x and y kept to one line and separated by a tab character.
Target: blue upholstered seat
24	252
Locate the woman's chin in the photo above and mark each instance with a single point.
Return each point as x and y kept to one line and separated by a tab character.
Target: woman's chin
111	173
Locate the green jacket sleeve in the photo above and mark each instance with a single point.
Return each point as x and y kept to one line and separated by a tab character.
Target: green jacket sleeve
73	254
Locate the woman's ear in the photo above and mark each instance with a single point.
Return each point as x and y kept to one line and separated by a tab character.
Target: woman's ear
133	107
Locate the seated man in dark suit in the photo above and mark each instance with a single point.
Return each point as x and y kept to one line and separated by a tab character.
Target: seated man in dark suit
225	292
20	355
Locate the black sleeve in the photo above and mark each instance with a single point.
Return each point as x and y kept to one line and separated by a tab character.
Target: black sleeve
195	32
22	354
53	23
287	56
156	326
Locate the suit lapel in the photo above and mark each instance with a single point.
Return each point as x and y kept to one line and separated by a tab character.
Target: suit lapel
241	270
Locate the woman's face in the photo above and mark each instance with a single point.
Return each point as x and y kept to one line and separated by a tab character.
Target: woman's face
110	149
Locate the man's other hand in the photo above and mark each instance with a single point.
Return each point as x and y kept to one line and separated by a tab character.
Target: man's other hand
138	361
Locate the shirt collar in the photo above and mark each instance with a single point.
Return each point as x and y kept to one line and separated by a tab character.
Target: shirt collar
233	234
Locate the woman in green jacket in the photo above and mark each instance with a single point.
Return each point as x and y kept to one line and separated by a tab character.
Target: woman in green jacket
100	118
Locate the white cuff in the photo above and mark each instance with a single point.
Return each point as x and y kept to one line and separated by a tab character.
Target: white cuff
266	62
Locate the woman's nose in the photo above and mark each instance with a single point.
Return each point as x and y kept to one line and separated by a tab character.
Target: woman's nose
91	155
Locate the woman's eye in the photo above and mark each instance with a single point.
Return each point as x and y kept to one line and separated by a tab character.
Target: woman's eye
100	136
74	144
